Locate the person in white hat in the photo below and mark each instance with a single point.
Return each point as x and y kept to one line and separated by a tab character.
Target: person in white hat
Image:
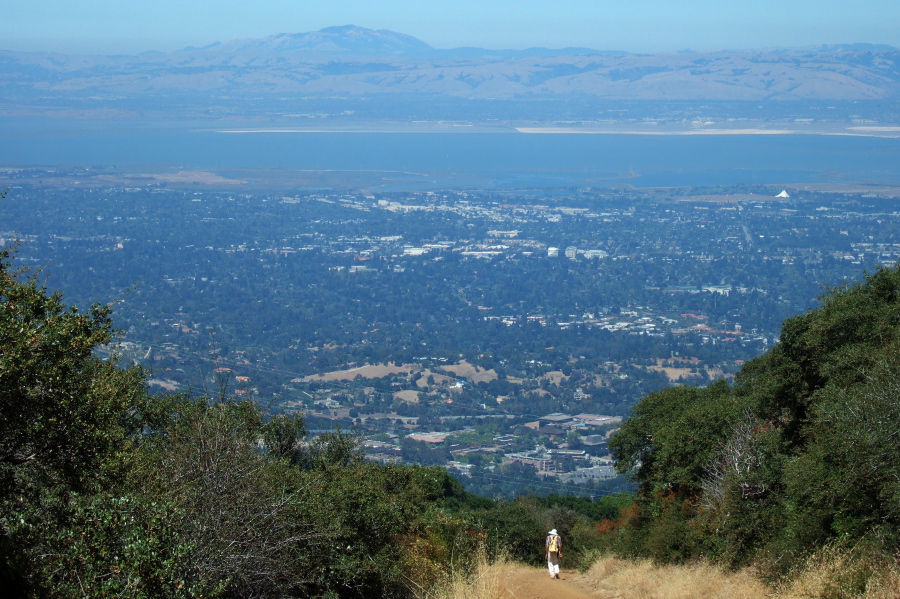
554	552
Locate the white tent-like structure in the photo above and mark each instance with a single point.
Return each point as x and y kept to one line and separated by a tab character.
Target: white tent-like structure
783	194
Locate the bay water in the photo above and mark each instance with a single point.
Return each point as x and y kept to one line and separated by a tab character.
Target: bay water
503	159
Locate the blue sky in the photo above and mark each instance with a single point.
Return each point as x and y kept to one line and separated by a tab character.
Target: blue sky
132	26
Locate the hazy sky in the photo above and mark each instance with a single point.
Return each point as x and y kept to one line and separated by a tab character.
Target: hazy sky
132	26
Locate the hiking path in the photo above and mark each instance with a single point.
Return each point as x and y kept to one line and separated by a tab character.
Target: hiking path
521	582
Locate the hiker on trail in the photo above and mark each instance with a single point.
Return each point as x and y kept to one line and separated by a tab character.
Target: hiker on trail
554	552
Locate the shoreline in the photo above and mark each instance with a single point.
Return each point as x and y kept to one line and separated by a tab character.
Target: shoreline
888	132
280	180
885	131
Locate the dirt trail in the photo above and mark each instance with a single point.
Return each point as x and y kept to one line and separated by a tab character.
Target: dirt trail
612	578
521	582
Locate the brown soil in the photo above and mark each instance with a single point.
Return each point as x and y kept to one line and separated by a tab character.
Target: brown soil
673	374
473	373
167	384
555	377
369	371
520	582
407	396
439	379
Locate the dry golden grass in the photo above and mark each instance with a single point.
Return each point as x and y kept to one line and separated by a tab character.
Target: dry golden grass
829	574
409	396
832	572
555	377
473	373
369	371
439	379
484	581
640	579
673	374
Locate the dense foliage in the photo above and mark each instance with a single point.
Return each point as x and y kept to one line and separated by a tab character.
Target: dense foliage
64	415
801	451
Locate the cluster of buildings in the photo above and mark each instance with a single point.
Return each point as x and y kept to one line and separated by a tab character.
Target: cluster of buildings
573	252
568	448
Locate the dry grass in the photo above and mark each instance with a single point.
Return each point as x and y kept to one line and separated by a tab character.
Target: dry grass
833	573
830	574
672	373
408	396
555	377
470	372
439	379
640	579
484	581
167	384
369	371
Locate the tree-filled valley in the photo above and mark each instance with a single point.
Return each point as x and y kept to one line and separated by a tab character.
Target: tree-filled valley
312	283
399	314
782	445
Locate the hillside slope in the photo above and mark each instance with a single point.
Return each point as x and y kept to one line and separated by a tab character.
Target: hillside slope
356	62
799	454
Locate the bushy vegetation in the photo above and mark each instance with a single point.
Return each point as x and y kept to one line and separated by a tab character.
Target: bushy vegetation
106	490
801	452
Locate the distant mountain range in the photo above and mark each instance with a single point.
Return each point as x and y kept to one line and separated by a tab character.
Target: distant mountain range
354	62
357	43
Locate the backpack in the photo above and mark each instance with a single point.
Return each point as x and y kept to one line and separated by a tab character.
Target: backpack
554	543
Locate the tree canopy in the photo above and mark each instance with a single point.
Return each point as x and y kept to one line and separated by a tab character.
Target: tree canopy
801	450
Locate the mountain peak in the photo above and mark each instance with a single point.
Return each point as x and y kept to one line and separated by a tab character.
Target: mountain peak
345	40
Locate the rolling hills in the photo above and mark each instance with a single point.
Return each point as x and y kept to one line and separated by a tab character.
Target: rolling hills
354	67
